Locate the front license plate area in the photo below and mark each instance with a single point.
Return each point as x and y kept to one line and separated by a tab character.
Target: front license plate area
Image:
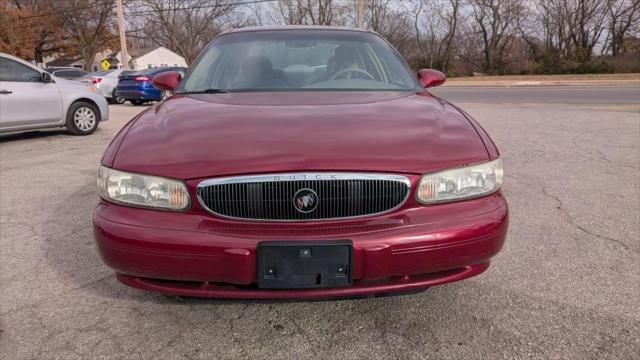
304	264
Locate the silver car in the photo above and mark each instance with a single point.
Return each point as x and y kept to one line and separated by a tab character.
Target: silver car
106	83
69	73
31	98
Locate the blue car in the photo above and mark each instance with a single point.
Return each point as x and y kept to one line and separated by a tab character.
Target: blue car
137	87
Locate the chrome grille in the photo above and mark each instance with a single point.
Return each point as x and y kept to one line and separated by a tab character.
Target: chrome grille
271	197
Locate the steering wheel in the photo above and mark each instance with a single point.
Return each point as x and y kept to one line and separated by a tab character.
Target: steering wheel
351	70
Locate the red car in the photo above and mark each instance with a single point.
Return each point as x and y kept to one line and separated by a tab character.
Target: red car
299	162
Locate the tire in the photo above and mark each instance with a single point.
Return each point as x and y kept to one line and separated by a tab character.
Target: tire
164	95
82	118
116	100
137	102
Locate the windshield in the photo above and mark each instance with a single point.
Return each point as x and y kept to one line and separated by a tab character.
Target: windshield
102	73
296	60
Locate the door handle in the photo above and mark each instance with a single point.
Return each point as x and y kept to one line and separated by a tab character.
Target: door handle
5	92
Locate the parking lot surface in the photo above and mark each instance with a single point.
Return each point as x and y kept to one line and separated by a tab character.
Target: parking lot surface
566	285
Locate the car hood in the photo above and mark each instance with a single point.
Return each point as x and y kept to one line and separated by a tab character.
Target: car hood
197	136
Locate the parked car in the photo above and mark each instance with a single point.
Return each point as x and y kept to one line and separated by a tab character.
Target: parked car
31	98
69	73
299	162
106	82
137	87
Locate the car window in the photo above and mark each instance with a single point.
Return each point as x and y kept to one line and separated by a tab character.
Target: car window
70	73
113	73
63	73
14	71
148	71
299	60
125	73
102	73
78	73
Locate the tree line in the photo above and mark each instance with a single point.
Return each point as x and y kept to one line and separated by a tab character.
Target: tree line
459	37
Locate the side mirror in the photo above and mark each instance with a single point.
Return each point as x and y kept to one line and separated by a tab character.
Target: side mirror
430	78
167	80
45	77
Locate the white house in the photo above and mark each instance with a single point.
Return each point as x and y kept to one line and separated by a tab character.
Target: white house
140	59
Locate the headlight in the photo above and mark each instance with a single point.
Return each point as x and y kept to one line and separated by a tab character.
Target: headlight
142	190
461	183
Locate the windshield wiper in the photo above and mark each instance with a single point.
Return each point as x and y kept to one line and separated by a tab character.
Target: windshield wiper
207	91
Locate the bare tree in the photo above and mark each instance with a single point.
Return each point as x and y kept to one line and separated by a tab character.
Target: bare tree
586	22
496	23
323	13
91	30
451	20
306	12
391	21
622	14
293	12
571	29
256	10
377	11
435	31
185	26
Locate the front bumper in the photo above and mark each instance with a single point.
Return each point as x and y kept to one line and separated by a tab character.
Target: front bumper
200	255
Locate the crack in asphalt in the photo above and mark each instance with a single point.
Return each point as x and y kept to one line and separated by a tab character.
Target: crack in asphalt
571	222
569	219
601	155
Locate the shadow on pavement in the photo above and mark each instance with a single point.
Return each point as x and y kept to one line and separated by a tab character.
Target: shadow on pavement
33	134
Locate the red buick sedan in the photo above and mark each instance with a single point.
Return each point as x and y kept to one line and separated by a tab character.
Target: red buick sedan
299	162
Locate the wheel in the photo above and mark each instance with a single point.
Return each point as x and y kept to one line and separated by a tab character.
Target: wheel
116	99
164	95
82	118
137	102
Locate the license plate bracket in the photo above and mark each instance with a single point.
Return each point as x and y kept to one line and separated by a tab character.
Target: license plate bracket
304	264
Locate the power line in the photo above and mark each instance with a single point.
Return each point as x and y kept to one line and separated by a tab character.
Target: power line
141	12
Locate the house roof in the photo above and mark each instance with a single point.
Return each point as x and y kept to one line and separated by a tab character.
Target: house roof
136	53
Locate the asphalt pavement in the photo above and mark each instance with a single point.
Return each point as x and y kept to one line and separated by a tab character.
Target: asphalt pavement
565	286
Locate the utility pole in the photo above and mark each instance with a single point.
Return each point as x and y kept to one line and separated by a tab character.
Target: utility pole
360	15
124	57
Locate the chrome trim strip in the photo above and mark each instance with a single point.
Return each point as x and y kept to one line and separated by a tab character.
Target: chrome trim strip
303	176
278	177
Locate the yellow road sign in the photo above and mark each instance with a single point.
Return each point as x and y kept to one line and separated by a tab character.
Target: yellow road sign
105	64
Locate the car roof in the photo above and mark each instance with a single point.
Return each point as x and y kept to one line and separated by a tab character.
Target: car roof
56	68
293	27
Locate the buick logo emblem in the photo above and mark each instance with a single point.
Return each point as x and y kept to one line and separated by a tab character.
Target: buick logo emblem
305	200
